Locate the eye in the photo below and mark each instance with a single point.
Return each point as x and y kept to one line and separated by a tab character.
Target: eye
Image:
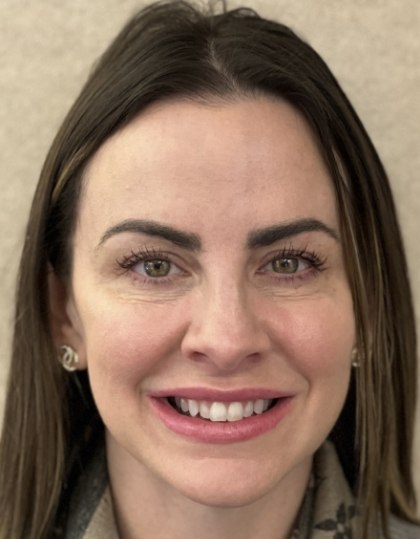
156	268
290	264
285	265
150	265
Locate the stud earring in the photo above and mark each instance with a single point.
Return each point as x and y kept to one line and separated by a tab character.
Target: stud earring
68	358
355	358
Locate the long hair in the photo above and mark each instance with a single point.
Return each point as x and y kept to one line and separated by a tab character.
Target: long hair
175	50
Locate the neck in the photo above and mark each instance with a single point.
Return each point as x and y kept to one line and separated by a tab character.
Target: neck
146	507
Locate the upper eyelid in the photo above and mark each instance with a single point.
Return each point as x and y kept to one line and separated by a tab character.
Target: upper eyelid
306	253
146	252
150	253
128	262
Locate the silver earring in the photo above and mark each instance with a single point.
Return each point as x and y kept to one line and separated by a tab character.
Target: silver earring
68	358
355	358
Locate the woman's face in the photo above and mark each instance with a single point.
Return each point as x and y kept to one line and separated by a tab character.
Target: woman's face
208	266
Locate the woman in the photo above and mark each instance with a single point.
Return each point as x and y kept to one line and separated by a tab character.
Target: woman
213	257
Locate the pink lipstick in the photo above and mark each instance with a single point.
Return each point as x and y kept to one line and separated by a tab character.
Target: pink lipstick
217	416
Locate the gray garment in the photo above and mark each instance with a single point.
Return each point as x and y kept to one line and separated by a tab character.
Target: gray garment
400	529
87	495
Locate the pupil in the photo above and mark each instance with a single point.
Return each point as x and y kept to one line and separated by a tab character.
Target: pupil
157	268
285	265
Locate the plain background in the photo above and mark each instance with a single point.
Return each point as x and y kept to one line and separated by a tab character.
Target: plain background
47	48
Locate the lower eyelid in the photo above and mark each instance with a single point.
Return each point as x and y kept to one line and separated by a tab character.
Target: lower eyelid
289	279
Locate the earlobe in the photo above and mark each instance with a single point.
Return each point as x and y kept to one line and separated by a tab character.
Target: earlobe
65	324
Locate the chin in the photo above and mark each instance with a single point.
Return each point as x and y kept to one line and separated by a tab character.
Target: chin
226	486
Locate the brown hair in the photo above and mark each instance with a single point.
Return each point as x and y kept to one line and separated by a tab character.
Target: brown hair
169	50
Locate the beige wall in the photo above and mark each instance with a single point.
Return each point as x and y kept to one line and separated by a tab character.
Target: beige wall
47	47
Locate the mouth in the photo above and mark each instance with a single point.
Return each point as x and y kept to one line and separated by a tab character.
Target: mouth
211	416
216	411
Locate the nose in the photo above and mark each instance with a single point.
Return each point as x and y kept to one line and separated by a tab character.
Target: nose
225	331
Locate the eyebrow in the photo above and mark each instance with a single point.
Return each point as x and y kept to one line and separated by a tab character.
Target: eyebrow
186	240
266	236
192	242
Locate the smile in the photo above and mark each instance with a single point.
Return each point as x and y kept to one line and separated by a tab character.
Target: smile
217	417
220	411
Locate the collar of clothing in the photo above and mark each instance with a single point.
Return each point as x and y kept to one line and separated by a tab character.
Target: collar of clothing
328	511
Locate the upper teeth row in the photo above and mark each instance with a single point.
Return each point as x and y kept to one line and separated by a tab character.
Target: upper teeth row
220	411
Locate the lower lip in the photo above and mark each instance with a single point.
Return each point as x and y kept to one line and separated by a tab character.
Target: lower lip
203	430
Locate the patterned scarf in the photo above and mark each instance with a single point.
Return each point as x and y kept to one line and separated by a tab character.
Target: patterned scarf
328	510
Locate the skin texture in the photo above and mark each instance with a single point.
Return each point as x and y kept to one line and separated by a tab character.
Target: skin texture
224	317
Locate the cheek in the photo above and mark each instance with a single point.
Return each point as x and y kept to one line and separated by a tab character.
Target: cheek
317	336
127	341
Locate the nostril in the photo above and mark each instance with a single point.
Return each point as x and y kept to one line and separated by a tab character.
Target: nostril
254	357
198	357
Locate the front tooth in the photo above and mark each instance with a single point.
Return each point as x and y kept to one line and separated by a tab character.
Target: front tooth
266	404
218	412
248	409
235	411
259	406
205	409
192	407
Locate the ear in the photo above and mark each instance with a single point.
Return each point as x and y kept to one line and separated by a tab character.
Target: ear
65	323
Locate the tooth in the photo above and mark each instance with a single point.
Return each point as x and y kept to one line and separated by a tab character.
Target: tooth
248	409
205	409
193	407
259	406
218	412
184	405
235	411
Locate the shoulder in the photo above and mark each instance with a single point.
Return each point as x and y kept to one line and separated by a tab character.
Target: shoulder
401	529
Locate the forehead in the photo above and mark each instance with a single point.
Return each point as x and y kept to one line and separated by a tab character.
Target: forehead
252	161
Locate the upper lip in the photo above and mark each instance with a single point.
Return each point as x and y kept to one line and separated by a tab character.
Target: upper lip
220	395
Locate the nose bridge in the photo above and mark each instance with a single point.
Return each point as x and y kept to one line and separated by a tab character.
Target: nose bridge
224	328
227	308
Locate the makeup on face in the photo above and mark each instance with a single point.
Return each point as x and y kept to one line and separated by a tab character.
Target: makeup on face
211	299
211	416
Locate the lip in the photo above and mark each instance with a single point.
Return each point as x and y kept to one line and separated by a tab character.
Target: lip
204	431
220	395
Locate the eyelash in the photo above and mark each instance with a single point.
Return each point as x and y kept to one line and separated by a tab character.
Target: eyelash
127	263
316	264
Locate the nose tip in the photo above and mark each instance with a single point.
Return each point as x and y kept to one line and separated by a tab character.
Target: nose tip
225	334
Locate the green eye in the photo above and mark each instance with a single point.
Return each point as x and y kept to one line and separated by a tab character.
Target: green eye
157	268
285	265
